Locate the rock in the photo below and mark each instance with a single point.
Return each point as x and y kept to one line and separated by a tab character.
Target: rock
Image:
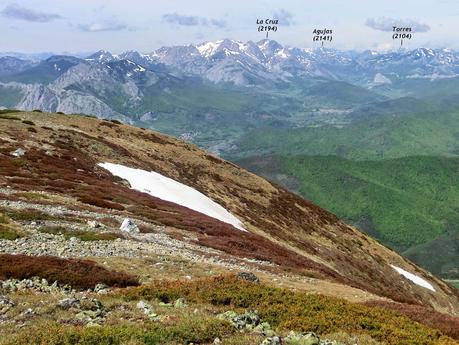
265	329
249	276
101	289
247	321
68	303
6	304
217	341
148	310
129	226
18	153
180	303
271	341
302	339
94	224
28	313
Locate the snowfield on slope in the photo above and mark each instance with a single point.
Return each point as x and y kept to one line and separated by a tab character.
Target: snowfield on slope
168	189
414	278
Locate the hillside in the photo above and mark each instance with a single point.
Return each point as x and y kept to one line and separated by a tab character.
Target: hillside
378	137
57	200
408	203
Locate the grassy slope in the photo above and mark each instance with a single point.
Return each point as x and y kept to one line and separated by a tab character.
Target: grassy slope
408	203
374	138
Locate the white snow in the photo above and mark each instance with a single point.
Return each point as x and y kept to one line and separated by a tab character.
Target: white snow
168	189
414	278
208	48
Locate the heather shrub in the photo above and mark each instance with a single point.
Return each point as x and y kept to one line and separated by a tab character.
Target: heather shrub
300	311
80	274
186	331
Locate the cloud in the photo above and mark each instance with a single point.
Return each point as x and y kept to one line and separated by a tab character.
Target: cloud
15	11
184	20
285	18
108	25
387	24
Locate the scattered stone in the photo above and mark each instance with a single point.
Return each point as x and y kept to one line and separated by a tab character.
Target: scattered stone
265	329
217	341
309	338
272	341
28	313
180	303
94	224
243	322
68	303
35	283
18	153
249	276
129	226
101	289
148	310
6	304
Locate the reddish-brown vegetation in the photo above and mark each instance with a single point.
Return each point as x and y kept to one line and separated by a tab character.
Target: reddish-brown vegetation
449	325
80	274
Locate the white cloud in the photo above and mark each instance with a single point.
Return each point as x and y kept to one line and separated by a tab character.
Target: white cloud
387	24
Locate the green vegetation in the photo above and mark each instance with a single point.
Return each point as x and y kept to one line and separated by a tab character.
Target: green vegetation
187	331
378	137
81	235
300	311
4	116
408	203
7	231
28	215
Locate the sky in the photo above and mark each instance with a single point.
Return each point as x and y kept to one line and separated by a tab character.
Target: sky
72	26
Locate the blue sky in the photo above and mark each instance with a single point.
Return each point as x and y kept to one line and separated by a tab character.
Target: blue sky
119	25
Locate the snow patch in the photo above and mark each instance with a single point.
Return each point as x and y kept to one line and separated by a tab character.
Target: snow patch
208	48
414	278
168	189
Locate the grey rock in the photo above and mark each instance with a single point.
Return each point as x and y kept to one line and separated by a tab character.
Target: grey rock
94	224
101	289
68	303
18	153
275	340
249	276
309	338
129	226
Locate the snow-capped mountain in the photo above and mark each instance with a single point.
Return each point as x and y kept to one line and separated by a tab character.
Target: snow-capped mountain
110	85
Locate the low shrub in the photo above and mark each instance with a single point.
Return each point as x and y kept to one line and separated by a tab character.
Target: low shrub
82	235
28	215
8	233
28	122
87	199
37	111
80	274
19	162
7	111
186	331
9	117
300	311
449	325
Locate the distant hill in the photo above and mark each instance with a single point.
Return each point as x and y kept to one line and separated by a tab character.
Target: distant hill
409	203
